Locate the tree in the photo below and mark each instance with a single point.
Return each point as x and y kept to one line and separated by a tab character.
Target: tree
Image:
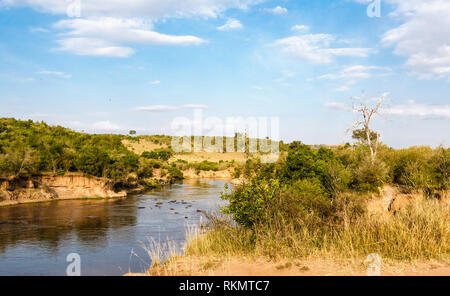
132	132
367	108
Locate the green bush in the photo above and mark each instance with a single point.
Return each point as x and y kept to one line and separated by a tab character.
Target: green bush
206	166
39	148
248	204
175	173
162	154
370	175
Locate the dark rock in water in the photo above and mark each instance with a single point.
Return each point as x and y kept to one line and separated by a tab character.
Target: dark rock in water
185	217
175	212
141	207
159	203
199	211
172	209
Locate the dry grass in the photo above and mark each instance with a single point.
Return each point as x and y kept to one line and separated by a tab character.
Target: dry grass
142	145
420	231
238	157
414	241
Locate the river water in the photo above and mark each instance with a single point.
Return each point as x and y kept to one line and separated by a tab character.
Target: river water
109	235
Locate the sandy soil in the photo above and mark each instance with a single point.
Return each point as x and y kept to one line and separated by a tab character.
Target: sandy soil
238	157
141	146
309	267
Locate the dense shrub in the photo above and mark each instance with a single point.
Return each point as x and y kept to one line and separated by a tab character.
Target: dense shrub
370	175
28	147
162	154
175	173
248	204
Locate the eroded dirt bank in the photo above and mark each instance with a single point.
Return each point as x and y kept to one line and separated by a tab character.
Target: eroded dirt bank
194	266
51	187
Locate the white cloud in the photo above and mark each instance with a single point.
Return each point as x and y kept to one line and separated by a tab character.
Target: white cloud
195	106
276	10
423	37
165	108
231	24
153	9
108	30
106	36
26	80
105	126
155	82
342	88
316	48
411	108
38	29
257	87
156	108
300	28
355	72
336	106
419	110
55	73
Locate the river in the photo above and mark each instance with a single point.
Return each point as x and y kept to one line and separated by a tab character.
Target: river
108	235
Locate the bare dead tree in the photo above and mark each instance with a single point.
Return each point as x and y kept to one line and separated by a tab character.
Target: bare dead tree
368	108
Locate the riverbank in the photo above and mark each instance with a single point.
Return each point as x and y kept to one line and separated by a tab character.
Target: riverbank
109	234
234	266
385	229
73	186
47	187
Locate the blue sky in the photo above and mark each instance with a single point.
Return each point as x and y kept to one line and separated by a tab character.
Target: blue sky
139	64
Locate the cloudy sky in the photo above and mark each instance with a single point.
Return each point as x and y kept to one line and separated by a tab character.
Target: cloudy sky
118	65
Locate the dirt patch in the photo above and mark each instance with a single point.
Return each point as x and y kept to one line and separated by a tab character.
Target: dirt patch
238	157
188	266
142	145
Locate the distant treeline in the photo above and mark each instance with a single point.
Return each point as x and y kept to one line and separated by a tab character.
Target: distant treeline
349	167
28	148
315	202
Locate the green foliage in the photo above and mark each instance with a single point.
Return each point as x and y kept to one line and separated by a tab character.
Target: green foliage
145	168
206	166
360	135
370	175
175	173
162	154
28	147
304	163
419	167
248	204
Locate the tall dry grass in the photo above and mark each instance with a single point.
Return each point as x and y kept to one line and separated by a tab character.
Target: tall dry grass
419	231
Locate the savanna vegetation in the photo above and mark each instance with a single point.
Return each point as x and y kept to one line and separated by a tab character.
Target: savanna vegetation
30	148
314	202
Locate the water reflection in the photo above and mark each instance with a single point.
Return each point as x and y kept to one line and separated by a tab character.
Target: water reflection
36	238
49	223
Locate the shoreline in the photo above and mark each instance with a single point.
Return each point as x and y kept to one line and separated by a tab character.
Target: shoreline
119	195
313	266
